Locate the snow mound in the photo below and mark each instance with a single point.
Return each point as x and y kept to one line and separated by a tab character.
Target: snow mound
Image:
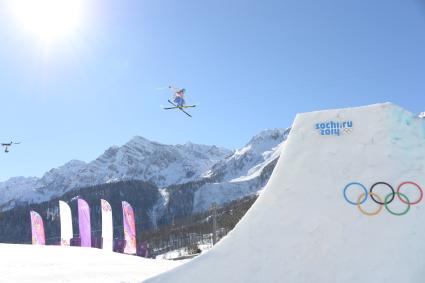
301	228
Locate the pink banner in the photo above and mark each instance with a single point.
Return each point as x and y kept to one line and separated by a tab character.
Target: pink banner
84	223
129	228
37	228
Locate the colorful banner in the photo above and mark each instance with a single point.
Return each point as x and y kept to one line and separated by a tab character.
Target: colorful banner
107	230
84	223
143	249
66	223
37	228
129	228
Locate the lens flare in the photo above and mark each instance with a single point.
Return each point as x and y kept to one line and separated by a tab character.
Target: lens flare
49	20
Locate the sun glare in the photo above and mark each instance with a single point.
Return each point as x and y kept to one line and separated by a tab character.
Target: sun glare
49	20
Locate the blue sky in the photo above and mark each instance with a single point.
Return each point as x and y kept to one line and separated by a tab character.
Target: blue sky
250	65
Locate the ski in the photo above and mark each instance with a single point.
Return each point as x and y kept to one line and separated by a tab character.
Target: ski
175	107
180	108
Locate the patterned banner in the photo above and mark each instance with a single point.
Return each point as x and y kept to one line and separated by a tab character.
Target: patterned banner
66	223
37	228
129	228
84	223
107	230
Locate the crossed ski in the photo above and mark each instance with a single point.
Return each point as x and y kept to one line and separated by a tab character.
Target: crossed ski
181	108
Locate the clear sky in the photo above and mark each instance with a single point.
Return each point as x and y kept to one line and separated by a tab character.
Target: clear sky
249	65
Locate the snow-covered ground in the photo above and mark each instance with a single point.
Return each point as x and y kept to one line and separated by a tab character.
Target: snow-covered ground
44	264
301	229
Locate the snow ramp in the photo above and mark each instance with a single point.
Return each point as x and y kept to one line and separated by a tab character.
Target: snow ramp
344	204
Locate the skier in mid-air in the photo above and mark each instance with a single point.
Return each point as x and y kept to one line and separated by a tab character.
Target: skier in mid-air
178	97
7	145
178	101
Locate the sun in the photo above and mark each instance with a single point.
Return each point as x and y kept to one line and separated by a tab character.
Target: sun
49	20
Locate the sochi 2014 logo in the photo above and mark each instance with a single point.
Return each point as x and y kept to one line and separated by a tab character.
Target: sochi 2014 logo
397	202
332	128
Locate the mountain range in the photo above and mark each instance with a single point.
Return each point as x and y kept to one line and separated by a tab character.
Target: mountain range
225	174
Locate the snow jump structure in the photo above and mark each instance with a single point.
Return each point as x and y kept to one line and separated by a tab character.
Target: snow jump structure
316	220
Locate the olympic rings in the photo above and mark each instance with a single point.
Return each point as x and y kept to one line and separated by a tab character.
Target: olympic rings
358	184
387	199
400	213
382	183
417	186
370	213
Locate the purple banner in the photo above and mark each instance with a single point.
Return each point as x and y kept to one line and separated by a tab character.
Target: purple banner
143	249
37	229
84	223
129	228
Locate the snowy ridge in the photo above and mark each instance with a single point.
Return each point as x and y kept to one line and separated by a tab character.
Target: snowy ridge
17	189
242	173
251	158
235	175
139	159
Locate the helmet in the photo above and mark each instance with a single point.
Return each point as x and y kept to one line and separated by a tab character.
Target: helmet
183	90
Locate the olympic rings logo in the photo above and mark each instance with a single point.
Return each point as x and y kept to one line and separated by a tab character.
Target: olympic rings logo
384	201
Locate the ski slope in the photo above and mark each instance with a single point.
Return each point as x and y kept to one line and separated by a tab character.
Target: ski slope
29	264
301	229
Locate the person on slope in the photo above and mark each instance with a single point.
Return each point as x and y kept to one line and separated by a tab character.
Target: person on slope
178	97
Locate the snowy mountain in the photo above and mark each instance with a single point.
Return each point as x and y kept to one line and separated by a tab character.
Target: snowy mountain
227	175
139	159
17	189
243	173
422	115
